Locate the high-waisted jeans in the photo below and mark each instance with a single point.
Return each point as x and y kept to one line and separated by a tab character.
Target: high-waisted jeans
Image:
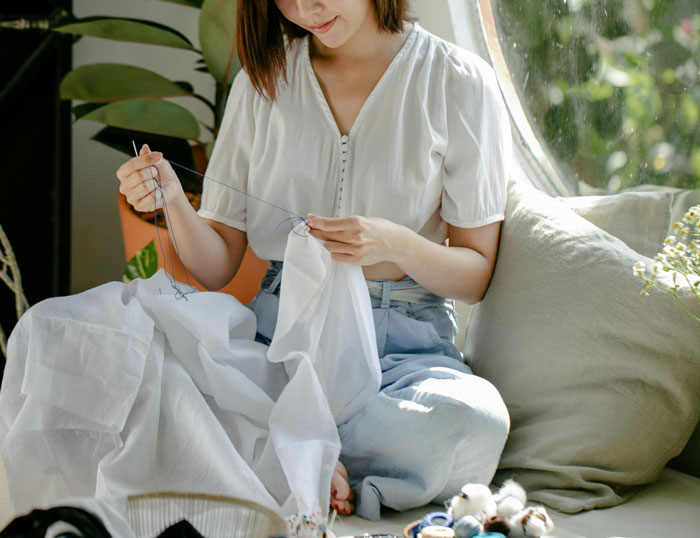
434	425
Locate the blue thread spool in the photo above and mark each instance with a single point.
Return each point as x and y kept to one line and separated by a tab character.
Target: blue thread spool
467	527
442	519
489	535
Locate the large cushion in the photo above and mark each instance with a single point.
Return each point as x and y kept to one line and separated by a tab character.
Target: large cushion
639	219
642	216
603	384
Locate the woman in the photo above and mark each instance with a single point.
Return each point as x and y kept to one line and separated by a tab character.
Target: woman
396	144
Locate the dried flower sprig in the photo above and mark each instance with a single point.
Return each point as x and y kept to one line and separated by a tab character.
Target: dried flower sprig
10	275
678	258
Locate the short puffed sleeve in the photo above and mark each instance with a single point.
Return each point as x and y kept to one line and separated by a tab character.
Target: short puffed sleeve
230	158
479	150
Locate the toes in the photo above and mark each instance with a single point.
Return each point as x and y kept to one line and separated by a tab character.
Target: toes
340	487
343	507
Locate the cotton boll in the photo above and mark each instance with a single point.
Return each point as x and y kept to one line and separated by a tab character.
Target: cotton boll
509	506
467	527
474	500
510	498
532	522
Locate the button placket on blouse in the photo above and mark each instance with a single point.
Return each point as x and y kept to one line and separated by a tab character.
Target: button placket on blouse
343	166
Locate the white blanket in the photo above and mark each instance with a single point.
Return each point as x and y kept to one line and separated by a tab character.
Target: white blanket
125	389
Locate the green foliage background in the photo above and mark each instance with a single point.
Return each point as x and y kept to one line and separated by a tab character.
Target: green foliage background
612	86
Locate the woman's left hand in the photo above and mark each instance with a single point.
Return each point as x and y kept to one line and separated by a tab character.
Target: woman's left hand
357	240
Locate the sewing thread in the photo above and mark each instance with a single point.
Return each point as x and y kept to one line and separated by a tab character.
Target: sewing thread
168	227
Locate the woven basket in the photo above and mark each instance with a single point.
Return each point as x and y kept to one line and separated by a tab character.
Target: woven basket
213	516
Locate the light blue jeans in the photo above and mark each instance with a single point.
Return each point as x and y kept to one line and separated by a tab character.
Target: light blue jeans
434	425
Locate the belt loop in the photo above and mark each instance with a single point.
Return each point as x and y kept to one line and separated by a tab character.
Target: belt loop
275	283
386	290
278	277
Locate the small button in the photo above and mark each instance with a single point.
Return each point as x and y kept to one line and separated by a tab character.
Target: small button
344	138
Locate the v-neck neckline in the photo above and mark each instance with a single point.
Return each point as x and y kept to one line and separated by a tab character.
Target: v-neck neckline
322	98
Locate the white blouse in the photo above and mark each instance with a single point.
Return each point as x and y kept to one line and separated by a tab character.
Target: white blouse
431	144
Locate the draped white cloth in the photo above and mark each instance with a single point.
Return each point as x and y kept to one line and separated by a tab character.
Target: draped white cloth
125	388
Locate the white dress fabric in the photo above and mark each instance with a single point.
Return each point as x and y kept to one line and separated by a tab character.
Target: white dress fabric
431	144
124	389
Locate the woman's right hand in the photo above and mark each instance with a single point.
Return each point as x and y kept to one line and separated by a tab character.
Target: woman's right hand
137	183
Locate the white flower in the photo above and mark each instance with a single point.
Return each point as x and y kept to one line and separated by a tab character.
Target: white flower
639	268
669	239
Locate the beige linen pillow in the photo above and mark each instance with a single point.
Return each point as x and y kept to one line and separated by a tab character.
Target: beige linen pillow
602	384
639	219
642	216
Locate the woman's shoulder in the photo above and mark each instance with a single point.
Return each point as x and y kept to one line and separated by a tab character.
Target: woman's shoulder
455	64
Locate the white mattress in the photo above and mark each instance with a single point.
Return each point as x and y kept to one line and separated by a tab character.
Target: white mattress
668	508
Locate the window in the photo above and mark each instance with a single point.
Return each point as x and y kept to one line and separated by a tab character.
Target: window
606	92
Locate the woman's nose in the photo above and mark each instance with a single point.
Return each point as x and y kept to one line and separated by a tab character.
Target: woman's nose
306	9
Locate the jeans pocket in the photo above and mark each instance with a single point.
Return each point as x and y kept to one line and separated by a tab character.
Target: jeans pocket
442	319
407	334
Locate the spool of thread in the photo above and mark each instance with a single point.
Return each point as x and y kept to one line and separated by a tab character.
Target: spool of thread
442	519
436	531
489	535
467	527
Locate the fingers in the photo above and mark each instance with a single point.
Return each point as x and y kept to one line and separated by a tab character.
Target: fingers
139	183
334	224
336	247
137	163
150	202
140	192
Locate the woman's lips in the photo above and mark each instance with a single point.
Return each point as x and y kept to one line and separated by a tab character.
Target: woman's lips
323	28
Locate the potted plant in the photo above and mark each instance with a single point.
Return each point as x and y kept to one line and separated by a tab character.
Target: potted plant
132	103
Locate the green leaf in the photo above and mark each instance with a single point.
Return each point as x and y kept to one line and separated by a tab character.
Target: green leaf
148	115
125	29
217	25
209	148
173	149
80	110
109	82
186	86
667	54
190	3
695	161
144	264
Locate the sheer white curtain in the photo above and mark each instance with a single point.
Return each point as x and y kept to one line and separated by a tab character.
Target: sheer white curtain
460	21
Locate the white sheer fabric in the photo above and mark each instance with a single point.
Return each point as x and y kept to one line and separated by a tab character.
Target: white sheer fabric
124	388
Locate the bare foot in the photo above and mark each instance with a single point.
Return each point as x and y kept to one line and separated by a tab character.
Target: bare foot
341	492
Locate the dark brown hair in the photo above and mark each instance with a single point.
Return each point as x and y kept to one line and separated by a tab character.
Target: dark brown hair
260	42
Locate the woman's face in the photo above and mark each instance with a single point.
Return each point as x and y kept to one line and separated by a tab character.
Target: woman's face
347	17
